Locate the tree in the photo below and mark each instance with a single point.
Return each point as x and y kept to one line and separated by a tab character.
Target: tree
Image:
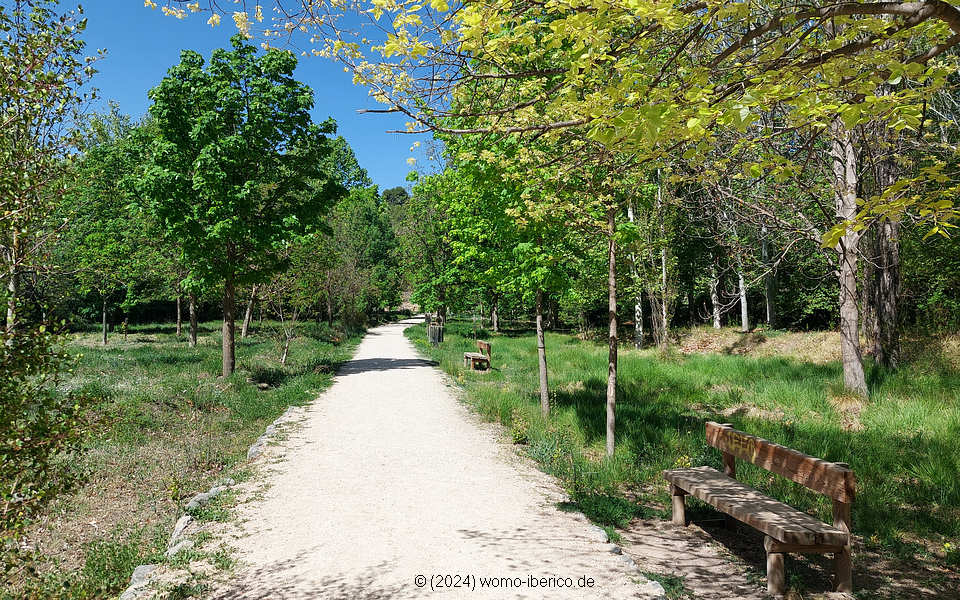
344	167
41	73
395	196
107	245
425	244
359	258
504	235
237	169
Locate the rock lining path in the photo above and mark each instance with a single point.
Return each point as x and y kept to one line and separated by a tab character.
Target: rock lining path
390	477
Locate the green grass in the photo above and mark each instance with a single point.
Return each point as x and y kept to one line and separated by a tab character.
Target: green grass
902	443
217	509
164	427
106	567
673	586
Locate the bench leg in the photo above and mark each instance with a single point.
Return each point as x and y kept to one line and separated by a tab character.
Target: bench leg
842	562
776	573
776	576
843	565
679	508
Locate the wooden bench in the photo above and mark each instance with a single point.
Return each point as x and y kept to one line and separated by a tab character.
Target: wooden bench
478	359
787	529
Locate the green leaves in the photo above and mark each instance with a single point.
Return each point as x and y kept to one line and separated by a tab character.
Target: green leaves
239	169
39	424
42	74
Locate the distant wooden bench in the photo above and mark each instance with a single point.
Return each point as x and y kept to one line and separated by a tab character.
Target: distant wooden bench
787	529
478	359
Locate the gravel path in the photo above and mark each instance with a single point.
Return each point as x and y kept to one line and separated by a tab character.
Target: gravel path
390	477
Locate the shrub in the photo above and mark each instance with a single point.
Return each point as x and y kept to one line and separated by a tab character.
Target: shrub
38	425
519	426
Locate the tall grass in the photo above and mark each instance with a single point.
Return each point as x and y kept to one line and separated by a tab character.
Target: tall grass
902	443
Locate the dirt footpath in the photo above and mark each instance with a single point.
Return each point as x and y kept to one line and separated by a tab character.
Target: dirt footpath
392	489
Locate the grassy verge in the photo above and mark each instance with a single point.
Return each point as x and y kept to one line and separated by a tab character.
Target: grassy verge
901	443
165	427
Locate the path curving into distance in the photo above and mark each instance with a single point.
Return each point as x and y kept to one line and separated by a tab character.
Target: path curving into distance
389	478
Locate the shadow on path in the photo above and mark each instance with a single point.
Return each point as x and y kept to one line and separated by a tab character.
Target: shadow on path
285	580
364	365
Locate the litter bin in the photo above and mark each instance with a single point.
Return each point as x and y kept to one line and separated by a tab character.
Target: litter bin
435	333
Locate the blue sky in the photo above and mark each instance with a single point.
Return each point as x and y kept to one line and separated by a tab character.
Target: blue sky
142	44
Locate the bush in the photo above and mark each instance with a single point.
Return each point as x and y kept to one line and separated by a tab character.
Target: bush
38	425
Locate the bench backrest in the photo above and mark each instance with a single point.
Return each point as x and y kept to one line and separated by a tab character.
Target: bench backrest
484	348
830	479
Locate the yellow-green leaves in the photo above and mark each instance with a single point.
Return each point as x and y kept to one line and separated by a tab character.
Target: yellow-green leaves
643	78
752	169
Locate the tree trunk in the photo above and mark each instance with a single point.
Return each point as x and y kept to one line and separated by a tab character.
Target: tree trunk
638	319
12	291
769	281
886	350
249	313
229	329
103	329
13	284
844	159
612	360
179	315
542	358
870	274
494	317
329	310
887	345
744	316
715	295
664	316
638	300
193	320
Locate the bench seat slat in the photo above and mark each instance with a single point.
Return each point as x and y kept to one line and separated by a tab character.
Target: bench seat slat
761	512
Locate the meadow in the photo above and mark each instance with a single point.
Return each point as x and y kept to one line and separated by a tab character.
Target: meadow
162	426
901	443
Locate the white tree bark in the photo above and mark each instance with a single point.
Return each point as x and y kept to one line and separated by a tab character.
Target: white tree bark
845	179
742	284
715	295
542	358
769	280
612	357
